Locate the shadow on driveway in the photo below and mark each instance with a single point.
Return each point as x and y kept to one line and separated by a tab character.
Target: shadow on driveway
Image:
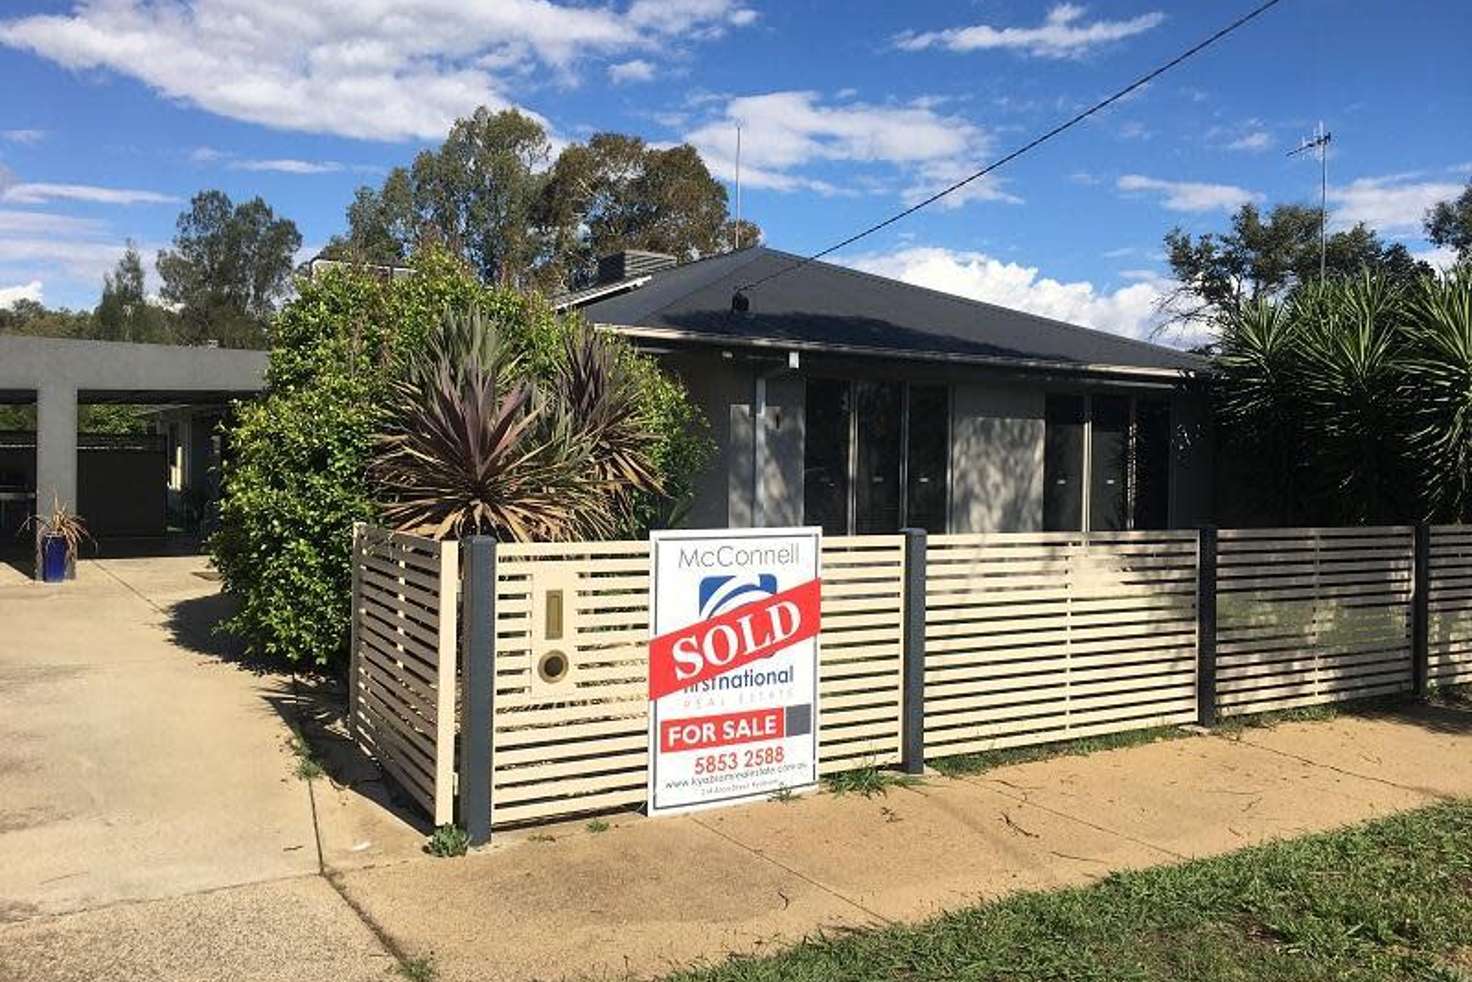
311	702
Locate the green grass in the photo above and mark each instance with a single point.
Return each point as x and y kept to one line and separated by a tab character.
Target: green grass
308	767
1388	900
418	969
1234	725
868	781
597	825
988	759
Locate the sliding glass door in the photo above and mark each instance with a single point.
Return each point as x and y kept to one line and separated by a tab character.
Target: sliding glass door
828	419
1106	463
875	456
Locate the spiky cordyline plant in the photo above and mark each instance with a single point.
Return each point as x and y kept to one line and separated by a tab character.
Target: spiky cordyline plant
1259	398
61	523
471	448
1438	387
602	396
1350	367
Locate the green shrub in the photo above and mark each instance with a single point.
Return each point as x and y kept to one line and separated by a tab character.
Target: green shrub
295	472
447	841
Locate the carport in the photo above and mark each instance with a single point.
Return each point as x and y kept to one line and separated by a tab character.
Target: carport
57	374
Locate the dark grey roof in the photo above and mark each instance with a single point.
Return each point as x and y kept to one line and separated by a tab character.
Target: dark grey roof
822	304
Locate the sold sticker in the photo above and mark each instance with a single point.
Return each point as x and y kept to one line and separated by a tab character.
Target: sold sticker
733	665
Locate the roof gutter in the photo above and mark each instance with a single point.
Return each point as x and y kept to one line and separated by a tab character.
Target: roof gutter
996	361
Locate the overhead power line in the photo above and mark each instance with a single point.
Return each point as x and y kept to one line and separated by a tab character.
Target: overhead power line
739	301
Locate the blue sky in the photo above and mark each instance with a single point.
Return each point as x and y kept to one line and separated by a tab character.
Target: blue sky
116	111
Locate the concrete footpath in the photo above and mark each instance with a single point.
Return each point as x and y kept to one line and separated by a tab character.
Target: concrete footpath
649	896
152	825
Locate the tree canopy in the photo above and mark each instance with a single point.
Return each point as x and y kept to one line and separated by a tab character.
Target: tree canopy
493	194
1449	223
229	266
1262	257
124	313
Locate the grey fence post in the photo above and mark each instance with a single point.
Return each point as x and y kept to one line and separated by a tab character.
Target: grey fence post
477	660
1206	626
912	746
1421	610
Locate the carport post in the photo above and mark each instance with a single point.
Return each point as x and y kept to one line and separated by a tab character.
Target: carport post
1421	610
477	660
56	455
1206	626
912	746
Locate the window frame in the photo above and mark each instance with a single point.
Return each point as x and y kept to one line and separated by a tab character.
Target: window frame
906	385
1132	447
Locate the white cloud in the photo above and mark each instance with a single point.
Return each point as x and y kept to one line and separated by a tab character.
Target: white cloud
1128	311
1254	142
637	70
1062	34
1189	195
78	259
288	166
373	69
11	295
24	193
24	137
59	249
1392	204
45	223
787	136
1441	257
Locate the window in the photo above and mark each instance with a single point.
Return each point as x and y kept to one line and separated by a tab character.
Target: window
1152	463
1063	464
929	446
1109	445
875	456
827	418
1116	446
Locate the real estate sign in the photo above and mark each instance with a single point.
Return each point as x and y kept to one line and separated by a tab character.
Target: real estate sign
733	665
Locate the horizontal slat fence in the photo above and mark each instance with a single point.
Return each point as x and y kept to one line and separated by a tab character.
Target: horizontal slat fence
1449	605
1028	638
402	671
860	651
1038	637
584	746
1309	616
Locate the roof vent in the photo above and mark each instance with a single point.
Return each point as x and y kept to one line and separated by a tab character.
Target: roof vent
630	263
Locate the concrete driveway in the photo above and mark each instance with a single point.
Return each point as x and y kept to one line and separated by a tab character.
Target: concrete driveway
151	822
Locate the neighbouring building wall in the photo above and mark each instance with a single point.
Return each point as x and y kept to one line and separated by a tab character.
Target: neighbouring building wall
996	458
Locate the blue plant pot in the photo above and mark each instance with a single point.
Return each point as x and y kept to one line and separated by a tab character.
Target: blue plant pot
53	559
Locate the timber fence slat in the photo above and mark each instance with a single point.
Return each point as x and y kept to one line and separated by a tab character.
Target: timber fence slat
1312	615
402	665
1038	637
1449	606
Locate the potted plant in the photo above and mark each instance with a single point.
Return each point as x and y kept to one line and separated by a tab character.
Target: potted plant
60	536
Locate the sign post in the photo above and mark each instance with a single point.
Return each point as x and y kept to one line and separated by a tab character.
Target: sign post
733	665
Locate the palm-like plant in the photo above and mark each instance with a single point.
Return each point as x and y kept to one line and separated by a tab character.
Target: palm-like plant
1349	368
471	448
1259	398
602	396
1438	388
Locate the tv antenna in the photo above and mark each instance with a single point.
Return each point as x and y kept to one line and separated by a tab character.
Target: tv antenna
738	187
1319	143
